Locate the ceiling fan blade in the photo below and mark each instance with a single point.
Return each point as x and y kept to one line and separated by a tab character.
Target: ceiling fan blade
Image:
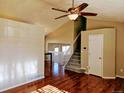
82	6
88	14
60	10
61	16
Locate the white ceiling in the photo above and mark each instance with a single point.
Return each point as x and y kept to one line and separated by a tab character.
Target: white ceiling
39	11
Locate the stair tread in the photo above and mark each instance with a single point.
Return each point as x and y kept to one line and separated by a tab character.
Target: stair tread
74	63
75	59
78	54
75	70
77	51
75	56
73	66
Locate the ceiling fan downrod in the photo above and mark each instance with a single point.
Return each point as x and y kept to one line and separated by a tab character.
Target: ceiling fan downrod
72	3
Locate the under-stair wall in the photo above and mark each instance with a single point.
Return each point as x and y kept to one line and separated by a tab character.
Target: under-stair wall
79	25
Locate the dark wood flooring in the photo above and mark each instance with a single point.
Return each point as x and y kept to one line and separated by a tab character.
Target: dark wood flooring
72	82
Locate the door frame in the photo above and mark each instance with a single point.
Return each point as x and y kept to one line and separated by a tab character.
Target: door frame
102	56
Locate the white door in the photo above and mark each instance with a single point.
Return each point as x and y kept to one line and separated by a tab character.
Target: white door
95	55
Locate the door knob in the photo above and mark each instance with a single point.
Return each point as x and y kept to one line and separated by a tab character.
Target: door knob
100	57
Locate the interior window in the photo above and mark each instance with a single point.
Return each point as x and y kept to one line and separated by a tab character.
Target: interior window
56	49
65	49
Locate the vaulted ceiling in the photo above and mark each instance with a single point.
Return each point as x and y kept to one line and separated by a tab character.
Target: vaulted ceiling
39	11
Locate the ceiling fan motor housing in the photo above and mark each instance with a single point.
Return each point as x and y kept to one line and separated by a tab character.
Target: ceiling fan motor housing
73	10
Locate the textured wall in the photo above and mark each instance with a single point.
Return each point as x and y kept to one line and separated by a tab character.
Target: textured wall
108	50
96	24
21	53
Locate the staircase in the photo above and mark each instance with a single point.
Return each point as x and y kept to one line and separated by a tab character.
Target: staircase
74	63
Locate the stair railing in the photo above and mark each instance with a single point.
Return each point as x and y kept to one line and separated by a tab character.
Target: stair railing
70	51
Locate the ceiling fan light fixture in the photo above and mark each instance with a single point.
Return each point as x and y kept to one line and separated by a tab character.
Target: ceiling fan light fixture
73	16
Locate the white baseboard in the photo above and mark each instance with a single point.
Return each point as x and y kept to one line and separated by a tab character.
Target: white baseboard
21	84
83	68
86	72
120	76
109	77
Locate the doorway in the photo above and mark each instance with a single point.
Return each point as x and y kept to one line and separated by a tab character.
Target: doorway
58	51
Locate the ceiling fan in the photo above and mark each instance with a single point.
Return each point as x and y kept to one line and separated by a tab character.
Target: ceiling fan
74	12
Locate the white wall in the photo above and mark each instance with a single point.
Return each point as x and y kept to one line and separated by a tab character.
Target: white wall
62	35
21	53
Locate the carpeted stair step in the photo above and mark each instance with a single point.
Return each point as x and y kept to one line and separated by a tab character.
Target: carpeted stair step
75	60
75	57
75	69
76	52
74	64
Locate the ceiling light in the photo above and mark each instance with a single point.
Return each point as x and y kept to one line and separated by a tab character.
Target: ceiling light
73	16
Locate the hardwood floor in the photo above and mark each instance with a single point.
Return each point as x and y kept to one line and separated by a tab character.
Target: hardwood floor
72	82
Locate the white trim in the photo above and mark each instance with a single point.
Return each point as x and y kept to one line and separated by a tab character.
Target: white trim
21	84
86	72
83	68
120	76
109	77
